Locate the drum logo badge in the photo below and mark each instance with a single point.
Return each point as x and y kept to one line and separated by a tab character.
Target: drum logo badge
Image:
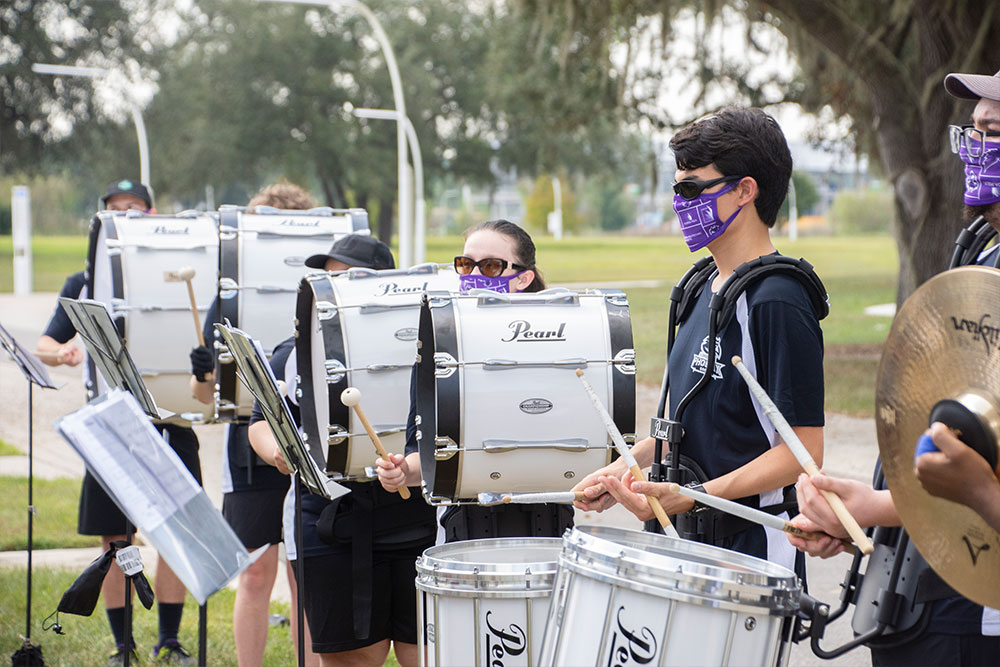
700	360
522	332
628	647
406	334
393	288
535	406
980	330
501	643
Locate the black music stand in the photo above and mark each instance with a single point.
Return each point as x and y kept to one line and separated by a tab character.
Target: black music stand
253	370
34	372
104	343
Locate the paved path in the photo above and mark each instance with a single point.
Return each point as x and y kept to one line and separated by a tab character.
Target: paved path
850	451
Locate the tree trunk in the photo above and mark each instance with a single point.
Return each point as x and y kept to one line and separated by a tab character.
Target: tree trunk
386	206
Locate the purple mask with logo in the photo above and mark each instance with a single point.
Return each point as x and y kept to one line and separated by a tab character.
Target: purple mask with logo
475	281
982	174
699	217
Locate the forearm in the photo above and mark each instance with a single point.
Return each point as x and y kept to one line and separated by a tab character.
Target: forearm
204	392
987	504
413	476
774	469
263	441
48	348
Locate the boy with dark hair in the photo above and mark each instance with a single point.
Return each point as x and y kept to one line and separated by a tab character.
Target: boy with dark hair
732	174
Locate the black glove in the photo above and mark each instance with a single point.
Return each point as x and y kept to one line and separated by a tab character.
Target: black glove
202	363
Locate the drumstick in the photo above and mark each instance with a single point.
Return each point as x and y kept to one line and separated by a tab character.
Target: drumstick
623	449
351	397
561	497
749	513
803	456
186	273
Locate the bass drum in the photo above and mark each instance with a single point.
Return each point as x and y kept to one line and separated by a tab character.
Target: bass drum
262	254
129	259
359	329
627	597
482	603
496	415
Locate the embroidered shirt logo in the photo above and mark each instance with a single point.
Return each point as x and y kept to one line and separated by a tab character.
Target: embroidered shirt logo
700	360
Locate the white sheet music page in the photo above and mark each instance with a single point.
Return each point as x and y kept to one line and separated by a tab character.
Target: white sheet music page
121	447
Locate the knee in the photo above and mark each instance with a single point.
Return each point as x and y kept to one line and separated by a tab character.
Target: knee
259	577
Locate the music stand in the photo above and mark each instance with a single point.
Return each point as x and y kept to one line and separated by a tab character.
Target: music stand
34	372
255	372
104	344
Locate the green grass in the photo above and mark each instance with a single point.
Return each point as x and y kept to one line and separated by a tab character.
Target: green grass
7	449
87	639
56	505
858	271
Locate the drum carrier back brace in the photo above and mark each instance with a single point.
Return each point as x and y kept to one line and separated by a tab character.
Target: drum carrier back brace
892	598
704	524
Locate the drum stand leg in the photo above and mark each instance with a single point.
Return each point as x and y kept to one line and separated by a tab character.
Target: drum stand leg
203	634
299	573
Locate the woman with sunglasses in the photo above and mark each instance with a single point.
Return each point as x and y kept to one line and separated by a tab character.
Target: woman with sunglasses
499	256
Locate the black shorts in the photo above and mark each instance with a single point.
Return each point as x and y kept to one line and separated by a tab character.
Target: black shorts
255	516
98	513
329	605
935	648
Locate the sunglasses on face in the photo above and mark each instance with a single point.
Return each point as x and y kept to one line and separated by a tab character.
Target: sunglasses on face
973	139
691	189
489	266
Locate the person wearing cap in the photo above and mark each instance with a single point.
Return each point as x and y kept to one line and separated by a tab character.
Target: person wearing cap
252	492
360	550
98	513
958	631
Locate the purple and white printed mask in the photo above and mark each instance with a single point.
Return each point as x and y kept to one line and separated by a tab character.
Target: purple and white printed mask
476	281
699	217
982	174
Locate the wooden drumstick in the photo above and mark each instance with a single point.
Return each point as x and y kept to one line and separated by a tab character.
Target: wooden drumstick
623	450
351	397
186	273
803	456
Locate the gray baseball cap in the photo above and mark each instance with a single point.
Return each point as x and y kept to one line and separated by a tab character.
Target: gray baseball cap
356	250
973	86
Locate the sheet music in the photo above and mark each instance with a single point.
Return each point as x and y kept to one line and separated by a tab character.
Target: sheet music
30	365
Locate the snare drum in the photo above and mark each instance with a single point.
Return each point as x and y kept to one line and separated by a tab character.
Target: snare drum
498	415
625	597
484	602
359	329
129	255
262	254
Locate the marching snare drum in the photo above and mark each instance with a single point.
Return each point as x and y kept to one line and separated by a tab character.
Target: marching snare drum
262	254
359	329
498	415
625	597
485	602
128	259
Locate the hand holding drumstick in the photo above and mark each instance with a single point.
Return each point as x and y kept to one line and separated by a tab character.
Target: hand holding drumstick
351	397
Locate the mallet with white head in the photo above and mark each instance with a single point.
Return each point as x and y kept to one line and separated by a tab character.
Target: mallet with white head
351	397
186	274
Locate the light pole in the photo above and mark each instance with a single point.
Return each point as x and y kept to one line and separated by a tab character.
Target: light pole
98	73
420	213
404	195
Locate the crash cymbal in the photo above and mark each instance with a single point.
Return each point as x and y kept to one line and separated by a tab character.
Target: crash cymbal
944	344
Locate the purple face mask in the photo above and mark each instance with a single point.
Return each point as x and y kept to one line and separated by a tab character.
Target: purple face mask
475	281
982	174
699	217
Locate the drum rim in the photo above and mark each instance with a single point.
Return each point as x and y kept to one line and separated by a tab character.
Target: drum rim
703	585
459	578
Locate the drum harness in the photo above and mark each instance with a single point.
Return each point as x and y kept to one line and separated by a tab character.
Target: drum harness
701	523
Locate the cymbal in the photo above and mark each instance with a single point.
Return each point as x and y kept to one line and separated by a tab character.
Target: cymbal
944	343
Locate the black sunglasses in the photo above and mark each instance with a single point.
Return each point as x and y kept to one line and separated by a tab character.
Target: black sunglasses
691	189
489	266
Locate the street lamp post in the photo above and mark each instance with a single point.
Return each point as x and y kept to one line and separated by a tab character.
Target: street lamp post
97	73
404	195
420	214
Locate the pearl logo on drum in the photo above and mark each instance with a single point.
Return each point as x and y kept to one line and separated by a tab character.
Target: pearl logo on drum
521	331
535	406
502	643
394	288
163	229
292	222
629	647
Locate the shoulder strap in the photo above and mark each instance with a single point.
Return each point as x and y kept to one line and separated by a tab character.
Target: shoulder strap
724	301
971	241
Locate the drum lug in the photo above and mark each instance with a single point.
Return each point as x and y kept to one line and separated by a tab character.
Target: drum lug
224	356
444	448
618	299
624	361
228	288
445	365
337	435
334	371
325	310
